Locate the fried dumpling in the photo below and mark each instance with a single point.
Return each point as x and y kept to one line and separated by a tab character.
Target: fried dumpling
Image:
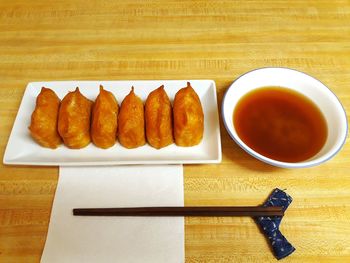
188	117
43	126
74	120
158	116
104	119
131	121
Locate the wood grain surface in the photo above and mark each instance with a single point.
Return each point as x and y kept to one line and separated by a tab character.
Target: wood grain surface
219	40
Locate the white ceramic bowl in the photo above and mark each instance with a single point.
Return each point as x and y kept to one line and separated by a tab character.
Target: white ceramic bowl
310	87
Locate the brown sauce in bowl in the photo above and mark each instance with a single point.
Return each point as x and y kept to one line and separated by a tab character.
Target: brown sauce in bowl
280	124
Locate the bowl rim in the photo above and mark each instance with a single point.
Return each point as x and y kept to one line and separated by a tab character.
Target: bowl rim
273	162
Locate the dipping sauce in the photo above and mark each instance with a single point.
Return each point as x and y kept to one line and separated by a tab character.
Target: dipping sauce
280	124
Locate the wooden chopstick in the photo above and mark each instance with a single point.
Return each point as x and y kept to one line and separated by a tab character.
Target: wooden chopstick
251	211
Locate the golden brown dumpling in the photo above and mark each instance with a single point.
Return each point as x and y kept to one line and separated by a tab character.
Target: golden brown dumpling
104	119
43	126
158	116
74	120
131	121
188	117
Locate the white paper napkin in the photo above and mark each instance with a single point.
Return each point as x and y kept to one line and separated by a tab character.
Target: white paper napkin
116	239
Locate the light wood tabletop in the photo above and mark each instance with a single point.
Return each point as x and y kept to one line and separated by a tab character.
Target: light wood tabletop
219	40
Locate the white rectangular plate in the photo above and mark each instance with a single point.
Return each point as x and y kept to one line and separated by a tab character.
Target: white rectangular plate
23	150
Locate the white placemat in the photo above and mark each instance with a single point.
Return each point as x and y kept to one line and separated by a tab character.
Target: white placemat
116	239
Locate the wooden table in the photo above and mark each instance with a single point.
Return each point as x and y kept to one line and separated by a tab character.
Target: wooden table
106	40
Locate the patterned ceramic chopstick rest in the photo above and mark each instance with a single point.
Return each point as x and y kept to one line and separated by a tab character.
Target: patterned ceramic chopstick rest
270	224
